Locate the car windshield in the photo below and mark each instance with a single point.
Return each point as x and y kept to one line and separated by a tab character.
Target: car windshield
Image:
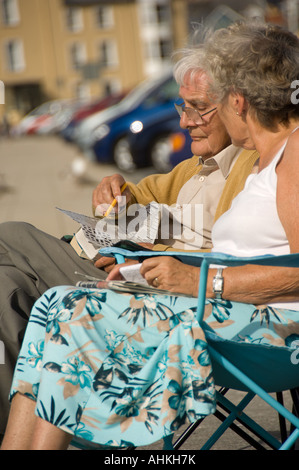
141	91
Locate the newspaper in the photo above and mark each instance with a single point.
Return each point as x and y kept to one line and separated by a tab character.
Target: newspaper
141	227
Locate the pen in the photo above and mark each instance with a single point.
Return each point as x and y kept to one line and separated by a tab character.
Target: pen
115	200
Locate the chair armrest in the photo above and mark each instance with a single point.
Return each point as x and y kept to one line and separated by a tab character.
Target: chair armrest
204	260
195	258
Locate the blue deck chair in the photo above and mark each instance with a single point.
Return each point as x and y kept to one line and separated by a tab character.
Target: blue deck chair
255	369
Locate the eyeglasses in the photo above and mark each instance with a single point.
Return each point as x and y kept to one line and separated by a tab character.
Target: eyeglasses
192	113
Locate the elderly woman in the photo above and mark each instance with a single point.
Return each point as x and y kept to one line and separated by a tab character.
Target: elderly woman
120	369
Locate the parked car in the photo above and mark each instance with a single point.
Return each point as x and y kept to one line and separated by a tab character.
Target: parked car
60	119
180	147
154	143
142	146
37	118
109	140
33	124
88	110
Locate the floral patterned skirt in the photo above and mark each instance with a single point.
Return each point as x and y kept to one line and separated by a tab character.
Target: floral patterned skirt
127	370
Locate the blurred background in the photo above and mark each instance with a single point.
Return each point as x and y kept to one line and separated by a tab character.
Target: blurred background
86	90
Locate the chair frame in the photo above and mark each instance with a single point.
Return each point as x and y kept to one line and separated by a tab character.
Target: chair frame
255	389
235	411
255	433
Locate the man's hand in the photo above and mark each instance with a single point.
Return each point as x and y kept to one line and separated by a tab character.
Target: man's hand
108	190
106	263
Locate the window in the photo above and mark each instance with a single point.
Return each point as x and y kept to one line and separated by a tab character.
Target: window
10	12
108	53
154	13
158	49
78	55
147	13
157	52
74	19
165	47
112	86
14	53
162	13
104	17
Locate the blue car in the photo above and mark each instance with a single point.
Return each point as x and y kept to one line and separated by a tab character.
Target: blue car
154	104
161	143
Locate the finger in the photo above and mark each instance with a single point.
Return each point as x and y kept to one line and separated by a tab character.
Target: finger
106	190
102	195
101	210
117	182
152	277
150	263
115	273
109	268
121	197
104	261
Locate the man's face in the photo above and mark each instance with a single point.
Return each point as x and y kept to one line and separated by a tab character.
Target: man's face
209	137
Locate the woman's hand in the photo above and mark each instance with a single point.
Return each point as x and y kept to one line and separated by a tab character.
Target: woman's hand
115	274
108	263
168	273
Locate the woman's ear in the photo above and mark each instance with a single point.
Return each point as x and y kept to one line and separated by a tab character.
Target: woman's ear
239	103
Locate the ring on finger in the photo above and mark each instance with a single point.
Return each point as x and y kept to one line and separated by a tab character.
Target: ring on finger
156	282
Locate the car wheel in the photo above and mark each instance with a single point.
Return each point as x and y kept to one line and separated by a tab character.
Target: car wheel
160	153
122	155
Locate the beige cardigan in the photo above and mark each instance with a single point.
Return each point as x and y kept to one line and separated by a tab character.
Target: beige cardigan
164	188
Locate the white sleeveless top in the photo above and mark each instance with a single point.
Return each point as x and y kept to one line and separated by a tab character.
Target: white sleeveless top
251	227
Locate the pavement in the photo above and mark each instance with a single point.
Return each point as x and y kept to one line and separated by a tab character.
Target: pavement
39	174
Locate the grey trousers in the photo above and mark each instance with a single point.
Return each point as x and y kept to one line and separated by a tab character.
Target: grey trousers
31	262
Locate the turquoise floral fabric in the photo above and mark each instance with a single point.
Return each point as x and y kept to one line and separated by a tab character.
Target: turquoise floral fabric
127	370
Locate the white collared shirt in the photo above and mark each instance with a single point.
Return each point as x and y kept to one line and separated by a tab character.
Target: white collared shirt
198	200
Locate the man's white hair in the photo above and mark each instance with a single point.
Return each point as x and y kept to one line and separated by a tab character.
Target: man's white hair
190	63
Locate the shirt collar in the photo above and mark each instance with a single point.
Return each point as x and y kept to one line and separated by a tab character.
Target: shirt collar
222	160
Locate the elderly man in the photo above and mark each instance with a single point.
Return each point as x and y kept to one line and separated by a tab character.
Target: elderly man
32	261
199	180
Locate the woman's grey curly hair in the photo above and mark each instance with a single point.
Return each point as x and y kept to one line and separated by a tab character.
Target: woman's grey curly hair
260	61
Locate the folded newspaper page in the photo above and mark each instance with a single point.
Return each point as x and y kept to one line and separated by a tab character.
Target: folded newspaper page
95	233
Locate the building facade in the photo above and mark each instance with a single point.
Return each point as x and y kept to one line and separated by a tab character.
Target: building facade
80	49
70	49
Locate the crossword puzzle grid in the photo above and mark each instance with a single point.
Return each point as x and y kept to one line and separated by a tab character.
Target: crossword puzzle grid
91	235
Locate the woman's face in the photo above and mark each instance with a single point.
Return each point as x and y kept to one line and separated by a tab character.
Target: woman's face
235	121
